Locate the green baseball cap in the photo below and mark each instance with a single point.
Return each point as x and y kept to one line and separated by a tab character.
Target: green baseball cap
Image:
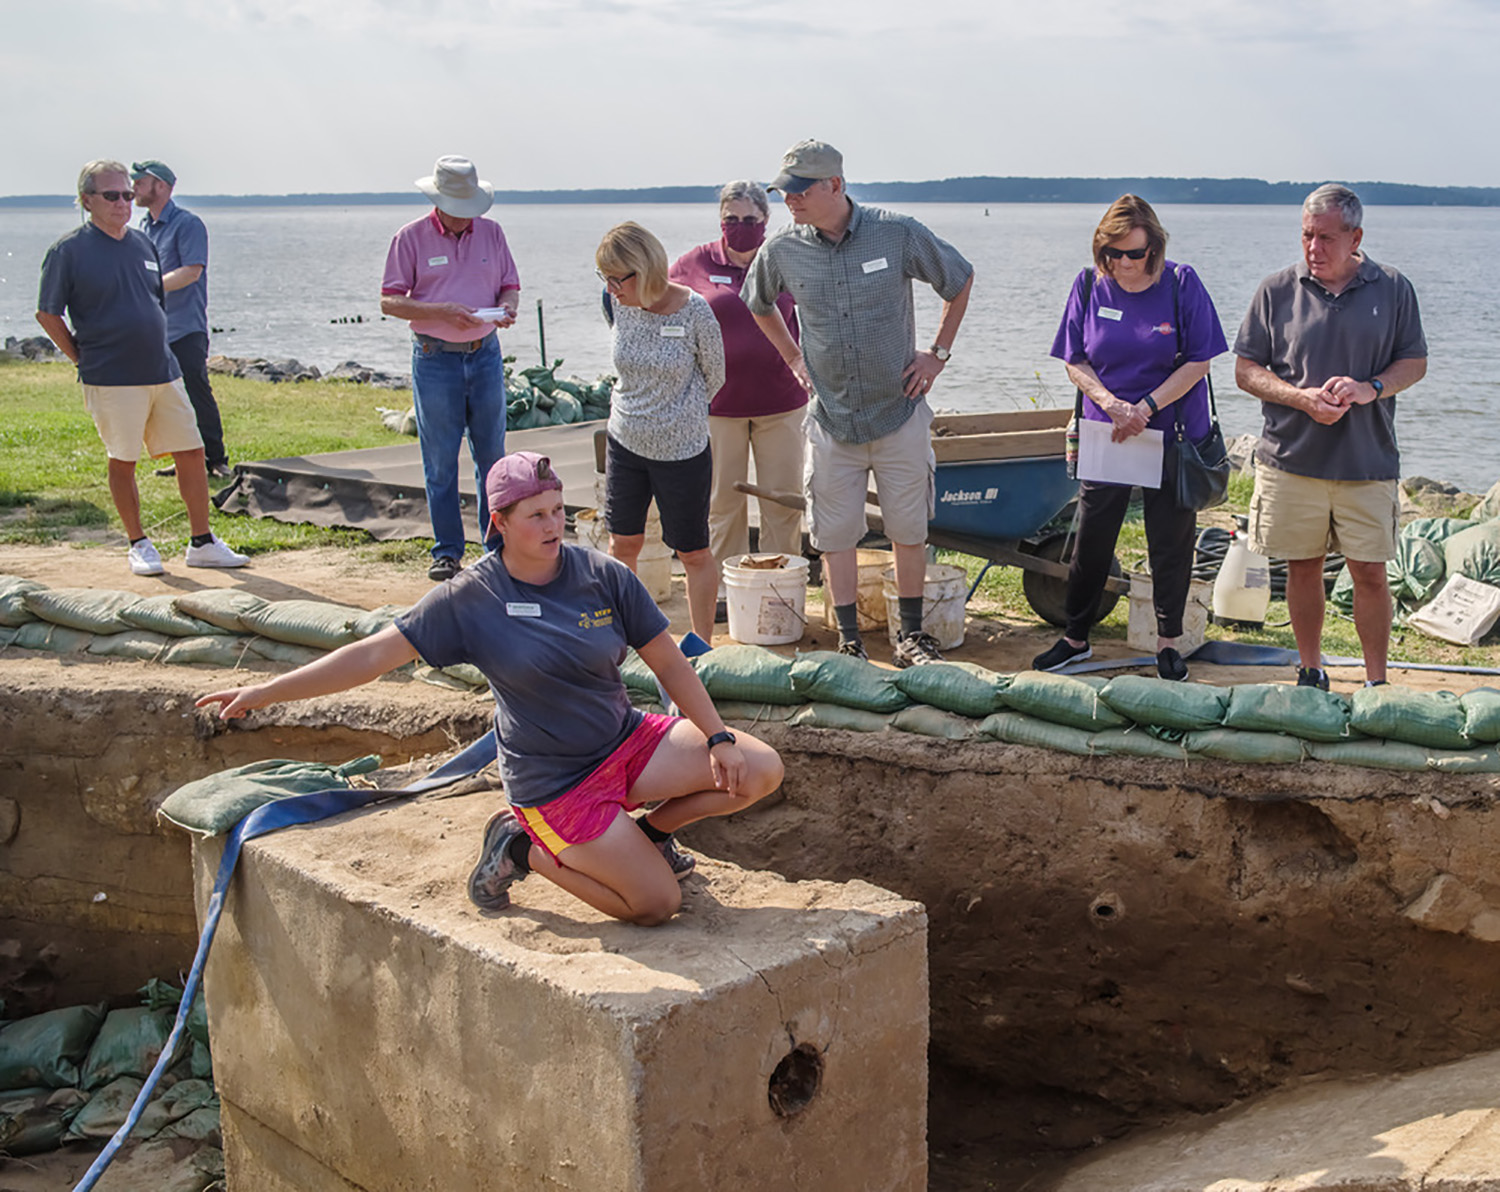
156	169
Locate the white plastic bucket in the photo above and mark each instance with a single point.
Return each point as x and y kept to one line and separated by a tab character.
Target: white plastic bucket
944	593
869	600
767	605
1140	632
655	563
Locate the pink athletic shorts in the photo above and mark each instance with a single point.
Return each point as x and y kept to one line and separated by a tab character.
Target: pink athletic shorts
586	811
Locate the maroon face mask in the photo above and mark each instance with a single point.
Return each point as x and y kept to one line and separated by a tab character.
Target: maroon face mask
744	237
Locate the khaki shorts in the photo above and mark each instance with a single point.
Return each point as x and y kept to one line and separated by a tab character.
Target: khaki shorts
1303	517
128	415
836	478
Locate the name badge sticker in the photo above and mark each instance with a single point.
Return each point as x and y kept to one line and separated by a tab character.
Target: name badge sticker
515	608
876	265
435	261
1109	312
720	281
673	331
152	265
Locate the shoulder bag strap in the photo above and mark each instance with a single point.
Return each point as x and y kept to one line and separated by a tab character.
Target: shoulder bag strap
1088	294
1213	410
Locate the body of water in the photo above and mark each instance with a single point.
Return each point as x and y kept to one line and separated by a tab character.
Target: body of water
282	278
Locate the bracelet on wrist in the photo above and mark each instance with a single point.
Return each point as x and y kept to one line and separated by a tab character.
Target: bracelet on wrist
1151	401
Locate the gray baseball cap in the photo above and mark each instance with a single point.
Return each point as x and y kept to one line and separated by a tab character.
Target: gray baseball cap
805	163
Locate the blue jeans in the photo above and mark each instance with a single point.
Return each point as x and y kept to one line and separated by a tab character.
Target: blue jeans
454	392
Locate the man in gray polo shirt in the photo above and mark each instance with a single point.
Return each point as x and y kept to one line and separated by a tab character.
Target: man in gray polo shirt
850	268
1326	346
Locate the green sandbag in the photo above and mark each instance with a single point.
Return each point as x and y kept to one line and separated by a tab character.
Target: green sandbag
1236	745
8	636
197	1020
1017	728
1341	598
1465	761
93	610
214	804
222	650
1302	712
140	644
107	1109
1437	529
13	592
1481	714
314	623
1431	718
1475	552
750	673
735	709
200	1062
566	409
833	678
961	687
218	606
1136	742
858	720
159	615
1148	700
288	653
468	674
441	678
636	675
1062	699
1372	752
1489	506
59	639
173	1105
201	1125
928	721
36	1120
46	1049
370	623
128	1044
1416	573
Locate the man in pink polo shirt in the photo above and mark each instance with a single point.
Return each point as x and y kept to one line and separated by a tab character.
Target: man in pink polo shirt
450	274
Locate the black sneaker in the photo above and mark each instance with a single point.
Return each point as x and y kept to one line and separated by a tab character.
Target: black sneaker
854	649
682	863
1061	655
1311	676
916	649
496	871
220	471
1375	683
1170	666
444	568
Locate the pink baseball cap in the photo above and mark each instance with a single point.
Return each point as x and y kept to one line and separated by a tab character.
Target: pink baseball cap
517	476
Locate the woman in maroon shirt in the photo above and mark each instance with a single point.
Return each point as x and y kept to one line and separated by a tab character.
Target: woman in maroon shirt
761	406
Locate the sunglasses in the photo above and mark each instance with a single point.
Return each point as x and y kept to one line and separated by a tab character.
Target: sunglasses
113	196
1114	254
614	283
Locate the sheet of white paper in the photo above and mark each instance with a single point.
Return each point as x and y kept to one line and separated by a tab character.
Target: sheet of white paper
1135	461
492	314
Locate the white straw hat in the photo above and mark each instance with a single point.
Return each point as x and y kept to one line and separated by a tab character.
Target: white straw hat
455	188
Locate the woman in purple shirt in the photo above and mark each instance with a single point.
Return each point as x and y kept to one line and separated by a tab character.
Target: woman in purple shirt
1137	337
761	406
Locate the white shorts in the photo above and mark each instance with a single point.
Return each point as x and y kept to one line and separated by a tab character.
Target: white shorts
836	479
160	416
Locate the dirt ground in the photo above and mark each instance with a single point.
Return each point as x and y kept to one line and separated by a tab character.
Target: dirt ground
328	573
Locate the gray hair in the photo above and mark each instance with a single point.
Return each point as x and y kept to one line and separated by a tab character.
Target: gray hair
1333	197
752	192
91	171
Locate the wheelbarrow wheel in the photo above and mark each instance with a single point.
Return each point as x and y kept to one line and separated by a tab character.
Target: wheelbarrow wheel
1048	595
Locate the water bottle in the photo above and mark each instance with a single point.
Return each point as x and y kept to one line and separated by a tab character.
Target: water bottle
1070	447
1242	591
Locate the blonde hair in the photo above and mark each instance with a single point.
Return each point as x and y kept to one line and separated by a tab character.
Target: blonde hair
630	248
1125	214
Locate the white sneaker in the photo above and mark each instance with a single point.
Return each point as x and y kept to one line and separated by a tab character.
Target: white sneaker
144	559
215	554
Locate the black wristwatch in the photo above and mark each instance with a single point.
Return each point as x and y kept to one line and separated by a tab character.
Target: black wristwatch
721	738
1379	386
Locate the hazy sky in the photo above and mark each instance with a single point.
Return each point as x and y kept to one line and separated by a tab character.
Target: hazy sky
277	96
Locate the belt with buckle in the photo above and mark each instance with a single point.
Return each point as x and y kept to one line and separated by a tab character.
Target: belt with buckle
431	343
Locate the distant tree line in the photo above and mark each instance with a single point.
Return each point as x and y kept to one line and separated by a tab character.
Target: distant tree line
948	190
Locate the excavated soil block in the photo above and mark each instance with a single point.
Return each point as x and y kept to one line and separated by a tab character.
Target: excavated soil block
374	1030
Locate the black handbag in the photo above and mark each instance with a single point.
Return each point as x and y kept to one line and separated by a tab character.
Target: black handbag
1195	473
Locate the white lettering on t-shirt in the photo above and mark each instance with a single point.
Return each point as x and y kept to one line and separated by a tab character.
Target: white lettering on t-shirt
515	608
876	265
672	331
720	281
1109	312
435	261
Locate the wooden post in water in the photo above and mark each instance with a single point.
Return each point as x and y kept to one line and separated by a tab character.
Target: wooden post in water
541	332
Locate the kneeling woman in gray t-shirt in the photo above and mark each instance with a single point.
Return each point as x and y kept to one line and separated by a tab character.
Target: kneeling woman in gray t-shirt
548	625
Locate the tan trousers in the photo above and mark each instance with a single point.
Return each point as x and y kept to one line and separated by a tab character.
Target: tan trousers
777	442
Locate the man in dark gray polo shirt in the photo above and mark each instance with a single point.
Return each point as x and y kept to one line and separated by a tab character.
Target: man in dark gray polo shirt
1326	346
850	268
106	278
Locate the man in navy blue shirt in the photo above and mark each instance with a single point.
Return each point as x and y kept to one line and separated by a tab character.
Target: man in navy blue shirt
182	245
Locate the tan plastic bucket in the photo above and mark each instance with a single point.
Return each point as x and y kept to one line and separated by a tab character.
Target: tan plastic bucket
869	601
943	598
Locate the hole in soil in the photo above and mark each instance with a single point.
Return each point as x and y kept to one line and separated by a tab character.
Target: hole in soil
796	1081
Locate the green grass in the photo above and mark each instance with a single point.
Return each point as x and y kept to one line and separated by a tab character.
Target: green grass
52	465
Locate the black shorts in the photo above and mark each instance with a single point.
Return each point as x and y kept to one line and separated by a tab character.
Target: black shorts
681	488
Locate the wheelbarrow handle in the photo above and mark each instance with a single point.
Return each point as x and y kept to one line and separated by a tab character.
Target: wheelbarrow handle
790	500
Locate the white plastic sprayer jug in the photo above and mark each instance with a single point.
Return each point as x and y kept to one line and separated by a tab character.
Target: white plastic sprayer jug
1242	591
